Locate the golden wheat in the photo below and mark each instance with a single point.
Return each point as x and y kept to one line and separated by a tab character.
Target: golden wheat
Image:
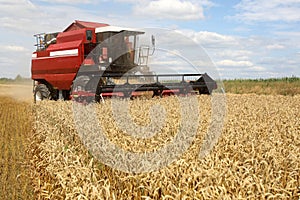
15	129
256	157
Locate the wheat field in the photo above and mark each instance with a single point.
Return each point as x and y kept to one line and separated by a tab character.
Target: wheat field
15	131
45	156
256	157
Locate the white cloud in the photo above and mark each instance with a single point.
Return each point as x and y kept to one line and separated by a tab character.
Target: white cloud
69	2
233	63
238	54
6	61
268	10
290	40
214	39
21	8
206	3
288	34
258	68
28	18
275	46
170	9
20	15
130	1
249	57
13	48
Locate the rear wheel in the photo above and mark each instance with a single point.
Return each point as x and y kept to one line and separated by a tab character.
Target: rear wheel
41	92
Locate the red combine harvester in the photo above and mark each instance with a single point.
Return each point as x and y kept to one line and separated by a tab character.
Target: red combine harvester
89	61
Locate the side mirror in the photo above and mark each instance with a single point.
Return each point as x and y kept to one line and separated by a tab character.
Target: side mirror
153	40
153	44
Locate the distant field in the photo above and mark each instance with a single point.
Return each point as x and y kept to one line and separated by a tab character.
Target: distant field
17	80
281	86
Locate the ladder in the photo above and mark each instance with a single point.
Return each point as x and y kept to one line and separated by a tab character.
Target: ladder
40	43
143	55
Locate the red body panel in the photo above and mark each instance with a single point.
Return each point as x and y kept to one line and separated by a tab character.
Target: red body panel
75	35
60	62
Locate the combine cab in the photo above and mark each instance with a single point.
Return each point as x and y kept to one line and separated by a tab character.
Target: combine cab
89	61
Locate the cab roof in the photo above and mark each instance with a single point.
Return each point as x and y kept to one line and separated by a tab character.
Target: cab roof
116	29
83	24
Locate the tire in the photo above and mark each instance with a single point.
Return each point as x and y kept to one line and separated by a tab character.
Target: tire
41	92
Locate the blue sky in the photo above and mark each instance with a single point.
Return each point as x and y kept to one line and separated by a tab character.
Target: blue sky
245	39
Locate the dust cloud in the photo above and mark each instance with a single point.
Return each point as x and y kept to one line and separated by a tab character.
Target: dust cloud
17	91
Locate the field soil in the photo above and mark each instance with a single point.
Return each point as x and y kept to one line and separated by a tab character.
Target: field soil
15	129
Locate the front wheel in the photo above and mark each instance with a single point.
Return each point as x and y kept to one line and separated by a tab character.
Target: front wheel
41	92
